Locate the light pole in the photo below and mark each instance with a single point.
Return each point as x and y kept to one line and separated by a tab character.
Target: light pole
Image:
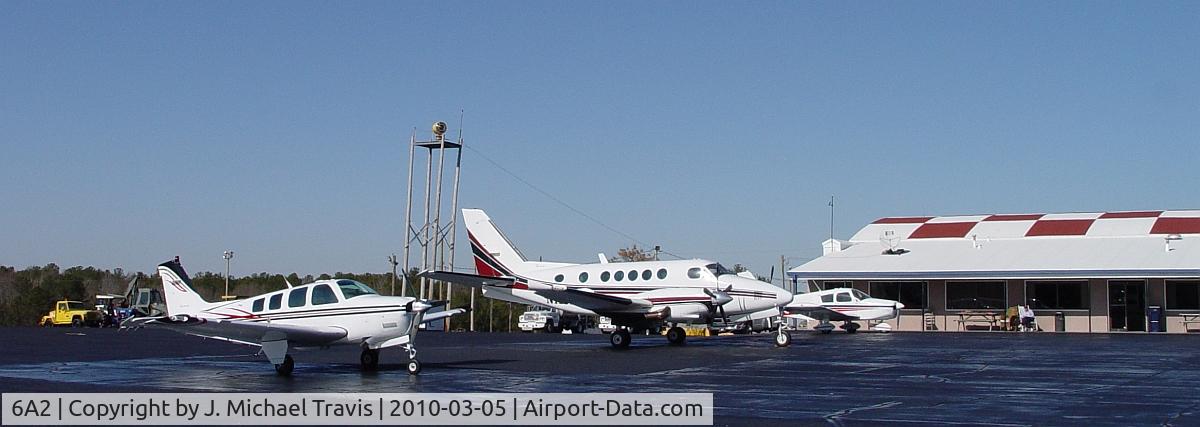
228	256
392	260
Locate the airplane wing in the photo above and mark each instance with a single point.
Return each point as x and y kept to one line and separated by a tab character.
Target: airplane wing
818	312
582	298
595	301
442	314
241	331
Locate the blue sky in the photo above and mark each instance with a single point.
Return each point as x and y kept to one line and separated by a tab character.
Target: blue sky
135	131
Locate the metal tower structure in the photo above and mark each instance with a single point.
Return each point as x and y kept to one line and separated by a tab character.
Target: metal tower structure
432	233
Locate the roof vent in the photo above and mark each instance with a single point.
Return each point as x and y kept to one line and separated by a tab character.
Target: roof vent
890	241
1172	238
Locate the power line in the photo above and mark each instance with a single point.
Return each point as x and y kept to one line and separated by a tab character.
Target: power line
559	201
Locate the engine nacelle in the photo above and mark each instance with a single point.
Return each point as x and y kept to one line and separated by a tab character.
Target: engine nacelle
688	313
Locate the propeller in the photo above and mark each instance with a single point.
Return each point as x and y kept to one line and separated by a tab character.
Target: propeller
719	299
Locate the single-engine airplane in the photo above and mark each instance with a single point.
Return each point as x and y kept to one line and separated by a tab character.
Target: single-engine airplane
841	305
635	295
316	315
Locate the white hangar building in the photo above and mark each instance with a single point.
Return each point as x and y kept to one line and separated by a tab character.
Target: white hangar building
1102	271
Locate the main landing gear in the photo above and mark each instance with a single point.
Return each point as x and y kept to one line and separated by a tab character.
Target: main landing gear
850	327
369	359
620	338
285	369
676	336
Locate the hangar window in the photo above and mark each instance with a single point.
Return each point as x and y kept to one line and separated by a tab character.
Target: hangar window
990	295
583	277
619	276
1183	294
297	296
1057	295
662	273
558	278
323	294
694	273
258	305
604	276
825	286
911	294
632	274
646	274
276	301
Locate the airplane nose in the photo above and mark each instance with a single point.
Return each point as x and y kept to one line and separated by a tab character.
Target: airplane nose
899	305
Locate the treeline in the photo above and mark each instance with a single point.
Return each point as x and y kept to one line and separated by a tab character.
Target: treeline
28	294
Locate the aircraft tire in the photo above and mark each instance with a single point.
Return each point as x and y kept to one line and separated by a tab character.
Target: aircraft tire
620	338
285	369
369	359
783	339
852	328
413	367
676	336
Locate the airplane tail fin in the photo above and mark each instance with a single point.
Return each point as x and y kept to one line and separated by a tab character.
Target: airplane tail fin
178	291
494	254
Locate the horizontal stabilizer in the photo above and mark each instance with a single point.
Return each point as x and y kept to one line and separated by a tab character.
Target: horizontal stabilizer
477	281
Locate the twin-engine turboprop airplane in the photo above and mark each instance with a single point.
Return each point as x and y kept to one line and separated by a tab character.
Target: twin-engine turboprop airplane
841	305
635	295
316	315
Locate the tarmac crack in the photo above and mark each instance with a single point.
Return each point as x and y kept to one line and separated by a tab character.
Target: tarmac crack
834	418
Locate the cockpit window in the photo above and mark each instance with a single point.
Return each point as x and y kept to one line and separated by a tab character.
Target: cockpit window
694	273
860	295
718	270
351	288
843	297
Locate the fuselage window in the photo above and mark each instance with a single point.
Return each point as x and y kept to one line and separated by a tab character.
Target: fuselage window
558	278
860	295
694	273
632	274
258	305
843	297
662	273
276	301
619	276
604	276
583	277
646	274
323	294
353	288
827	298
296	297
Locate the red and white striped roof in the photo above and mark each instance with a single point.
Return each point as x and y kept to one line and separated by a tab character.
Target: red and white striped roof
1026	246
1135	223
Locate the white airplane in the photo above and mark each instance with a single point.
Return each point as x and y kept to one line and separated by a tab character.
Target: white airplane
316	315
635	295
841	305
